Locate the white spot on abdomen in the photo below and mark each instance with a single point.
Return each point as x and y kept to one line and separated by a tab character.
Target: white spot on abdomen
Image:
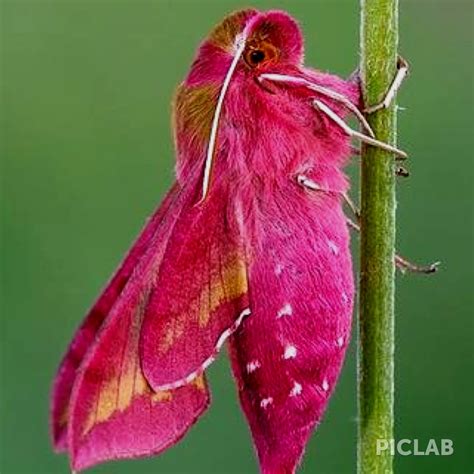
266	402
286	310
296	390
290	352
278	269
252	366
334	248
340	341
325	385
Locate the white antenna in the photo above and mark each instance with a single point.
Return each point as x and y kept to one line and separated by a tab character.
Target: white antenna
239	47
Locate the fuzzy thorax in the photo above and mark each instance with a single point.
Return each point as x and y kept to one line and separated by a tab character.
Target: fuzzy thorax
265	131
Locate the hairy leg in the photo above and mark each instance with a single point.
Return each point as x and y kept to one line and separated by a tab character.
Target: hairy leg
401	263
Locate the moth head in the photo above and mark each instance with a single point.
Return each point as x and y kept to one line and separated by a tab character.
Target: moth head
262	41
242	46
272	39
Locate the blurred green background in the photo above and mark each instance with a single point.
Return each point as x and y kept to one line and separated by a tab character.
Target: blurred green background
87	154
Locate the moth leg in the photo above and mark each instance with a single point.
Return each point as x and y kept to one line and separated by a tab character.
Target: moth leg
399	171
306	182
352	206
309	183
402	264
355	134
402	71
323	91
403	172
347	103
355	150
355	76
353	225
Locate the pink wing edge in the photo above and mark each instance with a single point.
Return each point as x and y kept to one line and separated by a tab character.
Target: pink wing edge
118	435
87	331
115	433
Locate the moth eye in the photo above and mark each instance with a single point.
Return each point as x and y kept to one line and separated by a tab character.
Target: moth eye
262	54
257	56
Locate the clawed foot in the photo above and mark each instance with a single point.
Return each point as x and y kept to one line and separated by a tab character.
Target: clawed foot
404	265
403	172
402	71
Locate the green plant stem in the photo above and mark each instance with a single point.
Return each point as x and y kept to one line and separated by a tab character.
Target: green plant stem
379	44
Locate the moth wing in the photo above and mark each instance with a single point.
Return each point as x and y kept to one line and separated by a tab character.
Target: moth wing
87	332
288	354
113	412
191	276
200	296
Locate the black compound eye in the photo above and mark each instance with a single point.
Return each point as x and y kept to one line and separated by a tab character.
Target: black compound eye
261	53
257	56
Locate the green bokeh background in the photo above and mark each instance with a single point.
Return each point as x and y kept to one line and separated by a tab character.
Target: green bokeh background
87	154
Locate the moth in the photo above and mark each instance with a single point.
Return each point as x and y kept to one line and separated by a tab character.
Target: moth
250	247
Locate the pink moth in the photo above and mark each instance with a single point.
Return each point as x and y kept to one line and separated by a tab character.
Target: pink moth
250	246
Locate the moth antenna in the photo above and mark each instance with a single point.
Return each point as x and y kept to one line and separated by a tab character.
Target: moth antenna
239	49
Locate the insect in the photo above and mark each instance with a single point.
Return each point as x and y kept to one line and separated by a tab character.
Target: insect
249	247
